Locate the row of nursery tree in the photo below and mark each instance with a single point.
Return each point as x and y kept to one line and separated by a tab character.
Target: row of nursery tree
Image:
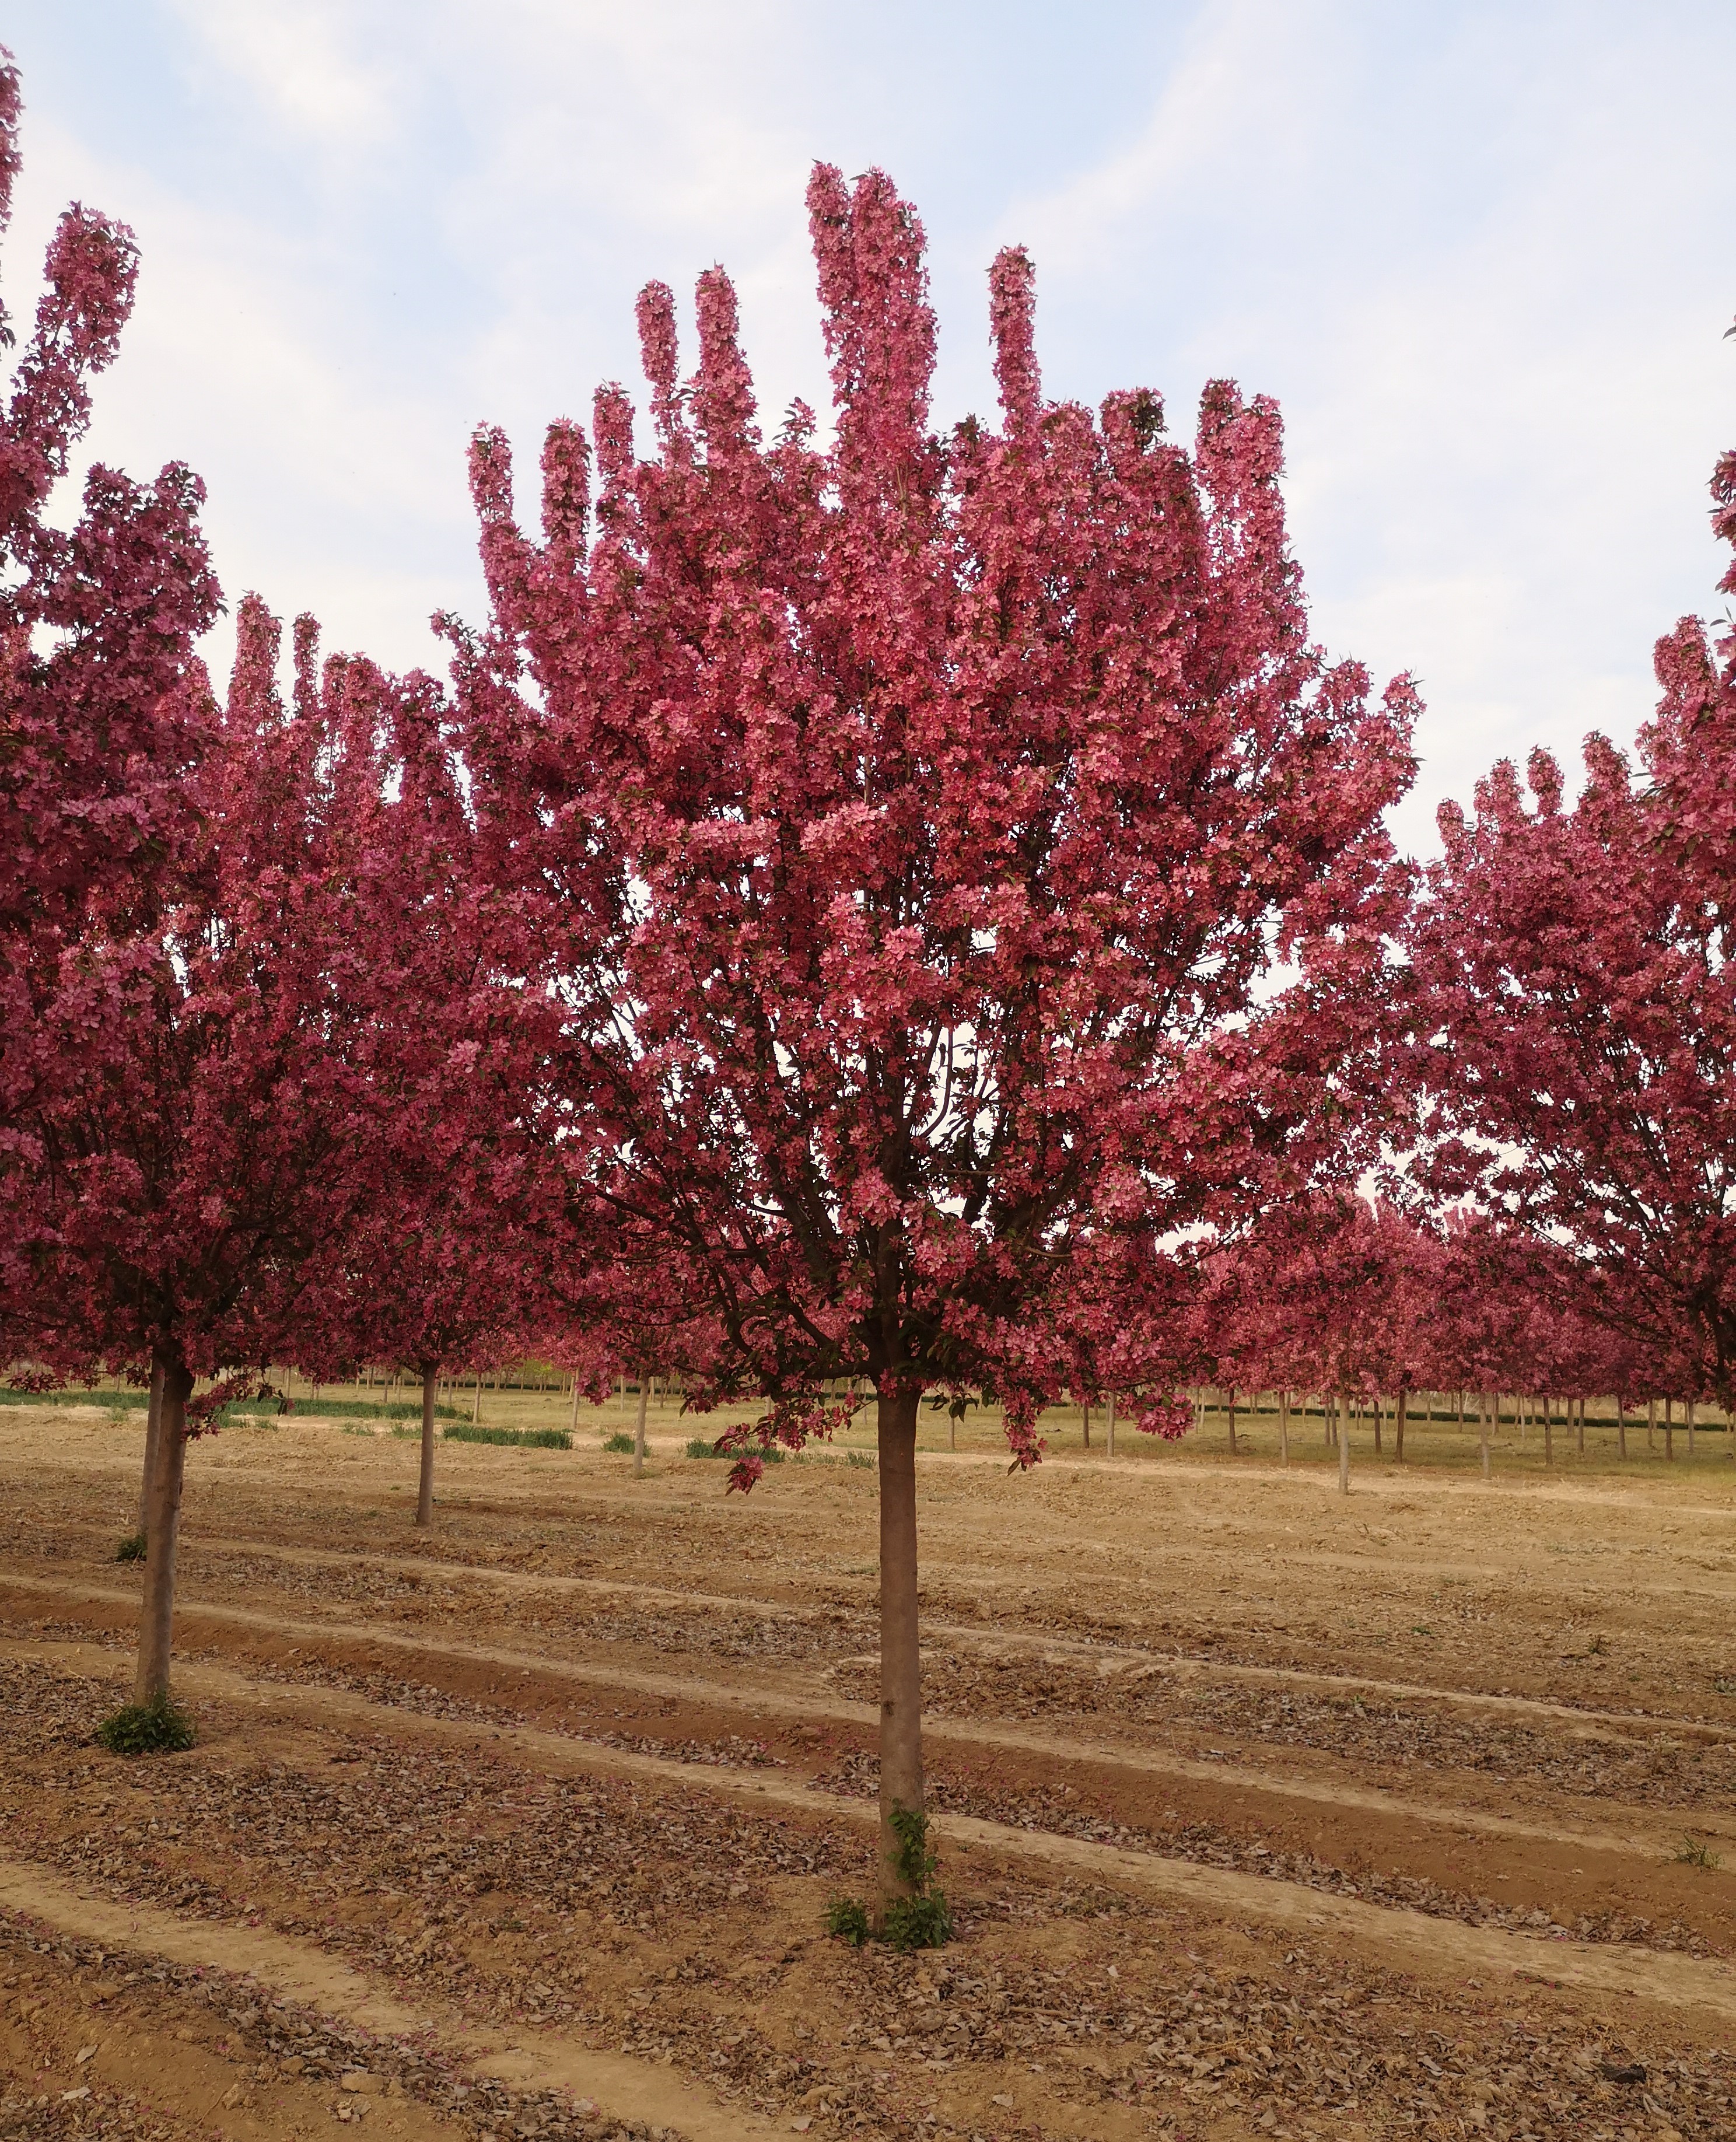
872	905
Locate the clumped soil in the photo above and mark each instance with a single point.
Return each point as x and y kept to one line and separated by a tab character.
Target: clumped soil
1512	1709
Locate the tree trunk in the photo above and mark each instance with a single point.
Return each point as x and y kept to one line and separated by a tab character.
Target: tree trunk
1230	1397
1669	1430
573	1425
1651	1422
1112	1425
1085	1414
901	1733
424	1484
1377	1424
1579	1439
477	1408
1482	1417
639	1431
162	1529
1344	1442
1687	1416
1620	1432
1548	1431
1399	1426
1284	1428
153	1421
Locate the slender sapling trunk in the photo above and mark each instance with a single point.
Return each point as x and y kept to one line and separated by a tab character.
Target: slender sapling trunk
153	1422
1284	1428
1344	1442
424	1484
162	1528
639	1430
900	1734
1111	1424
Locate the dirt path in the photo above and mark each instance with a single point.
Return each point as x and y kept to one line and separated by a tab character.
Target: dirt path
1635	1837
1423	1945
301	1972
994	1642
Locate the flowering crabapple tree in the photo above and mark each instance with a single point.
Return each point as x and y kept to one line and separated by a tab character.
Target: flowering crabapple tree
439	1269
912	819
187	1170
1574	1034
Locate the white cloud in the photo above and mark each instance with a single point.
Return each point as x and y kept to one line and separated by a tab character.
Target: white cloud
295	55
1480	254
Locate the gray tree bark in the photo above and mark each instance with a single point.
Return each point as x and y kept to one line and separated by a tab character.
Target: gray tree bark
162	1529
153	1422
900	1734
425	1485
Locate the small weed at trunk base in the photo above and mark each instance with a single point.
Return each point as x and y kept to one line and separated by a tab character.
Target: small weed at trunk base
924	1920
155	1728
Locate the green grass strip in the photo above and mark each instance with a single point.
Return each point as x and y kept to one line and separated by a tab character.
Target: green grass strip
523	1438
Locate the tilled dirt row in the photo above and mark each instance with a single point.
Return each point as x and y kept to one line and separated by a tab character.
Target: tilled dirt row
1689	1913
639	1922
271	2058
666	1923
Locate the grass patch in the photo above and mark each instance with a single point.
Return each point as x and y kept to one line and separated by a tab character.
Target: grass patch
519	1439
155	1728
1694	1852
131	1548
620	1443
120	1401
241	1409
342	1409
863	1459
698	1447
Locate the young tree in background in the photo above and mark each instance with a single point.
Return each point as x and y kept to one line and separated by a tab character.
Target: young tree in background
442	1269
1574	1035
201	1141
911	821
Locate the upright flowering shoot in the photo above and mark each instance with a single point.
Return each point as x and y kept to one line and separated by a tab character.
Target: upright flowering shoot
909	824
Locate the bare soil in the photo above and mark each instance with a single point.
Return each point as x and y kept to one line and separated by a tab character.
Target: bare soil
1262	1812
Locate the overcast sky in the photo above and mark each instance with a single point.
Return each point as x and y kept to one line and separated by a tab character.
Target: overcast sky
1482	255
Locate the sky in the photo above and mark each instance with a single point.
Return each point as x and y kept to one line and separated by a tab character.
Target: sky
1483	256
